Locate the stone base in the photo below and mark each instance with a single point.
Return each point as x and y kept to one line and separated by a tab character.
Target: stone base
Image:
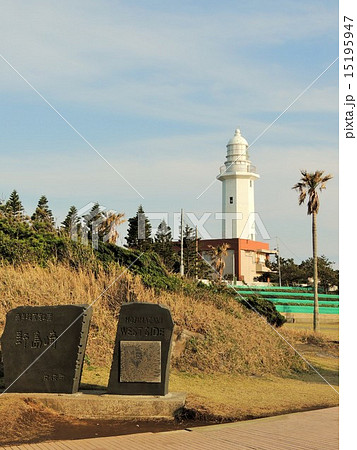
100	405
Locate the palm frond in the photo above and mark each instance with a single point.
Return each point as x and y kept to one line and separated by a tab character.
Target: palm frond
302	197
308	185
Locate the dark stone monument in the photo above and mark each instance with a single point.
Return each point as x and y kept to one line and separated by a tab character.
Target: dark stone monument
141	360
43	348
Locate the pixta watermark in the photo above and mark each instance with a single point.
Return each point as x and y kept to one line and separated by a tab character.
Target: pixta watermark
232	224
94	223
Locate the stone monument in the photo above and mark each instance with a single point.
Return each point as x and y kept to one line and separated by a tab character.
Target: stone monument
43	348
141	359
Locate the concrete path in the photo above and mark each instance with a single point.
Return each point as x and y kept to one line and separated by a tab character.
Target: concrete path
307	430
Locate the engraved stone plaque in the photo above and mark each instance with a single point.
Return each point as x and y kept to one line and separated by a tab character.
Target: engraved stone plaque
43	347
140	361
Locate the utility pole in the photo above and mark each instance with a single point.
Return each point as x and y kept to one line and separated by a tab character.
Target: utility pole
182	269
196	258
233	269
278	256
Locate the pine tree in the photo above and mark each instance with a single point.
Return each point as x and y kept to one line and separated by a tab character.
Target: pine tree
194	263
71	223
164	245
90	229
42	217
189	251
13	207
139	231
93	219
132	237
2	208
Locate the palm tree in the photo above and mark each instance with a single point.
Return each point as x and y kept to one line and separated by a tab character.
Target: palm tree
111	221
218	254
308	186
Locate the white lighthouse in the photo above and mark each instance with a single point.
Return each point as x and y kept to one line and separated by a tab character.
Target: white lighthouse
238	176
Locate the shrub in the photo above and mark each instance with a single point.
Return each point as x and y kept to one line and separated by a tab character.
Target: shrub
264	307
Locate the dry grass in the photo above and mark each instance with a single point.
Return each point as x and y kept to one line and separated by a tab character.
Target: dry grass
58	285
23	420
328	331
233	340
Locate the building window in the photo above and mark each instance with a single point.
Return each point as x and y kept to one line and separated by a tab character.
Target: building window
251	183
231	200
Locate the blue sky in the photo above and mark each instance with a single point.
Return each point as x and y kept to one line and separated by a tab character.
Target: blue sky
158	89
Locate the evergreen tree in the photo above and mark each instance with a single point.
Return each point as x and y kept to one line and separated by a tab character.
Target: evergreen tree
91	225
189	251
139	231
164	245
328	277
71	223
132	237
42	218
194	263
13	207
2	207
93	218
291	273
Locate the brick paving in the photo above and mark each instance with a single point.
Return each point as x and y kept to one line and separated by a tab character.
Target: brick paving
312	430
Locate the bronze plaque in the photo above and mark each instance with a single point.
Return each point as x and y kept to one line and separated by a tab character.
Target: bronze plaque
140	361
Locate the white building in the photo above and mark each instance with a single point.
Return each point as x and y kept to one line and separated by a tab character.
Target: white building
238	177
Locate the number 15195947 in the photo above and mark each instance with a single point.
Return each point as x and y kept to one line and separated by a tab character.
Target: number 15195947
348	47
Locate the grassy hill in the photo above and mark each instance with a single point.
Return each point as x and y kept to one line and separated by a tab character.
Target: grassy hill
228	338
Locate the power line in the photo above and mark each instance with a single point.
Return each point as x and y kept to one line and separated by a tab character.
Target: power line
289	249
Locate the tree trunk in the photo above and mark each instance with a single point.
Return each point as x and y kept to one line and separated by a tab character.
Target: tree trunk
316	278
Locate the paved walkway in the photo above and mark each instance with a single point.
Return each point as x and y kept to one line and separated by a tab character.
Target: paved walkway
307	430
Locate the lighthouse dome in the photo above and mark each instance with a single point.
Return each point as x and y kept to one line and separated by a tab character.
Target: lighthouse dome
237	139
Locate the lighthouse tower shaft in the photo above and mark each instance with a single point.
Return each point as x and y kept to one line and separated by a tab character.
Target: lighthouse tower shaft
238	177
